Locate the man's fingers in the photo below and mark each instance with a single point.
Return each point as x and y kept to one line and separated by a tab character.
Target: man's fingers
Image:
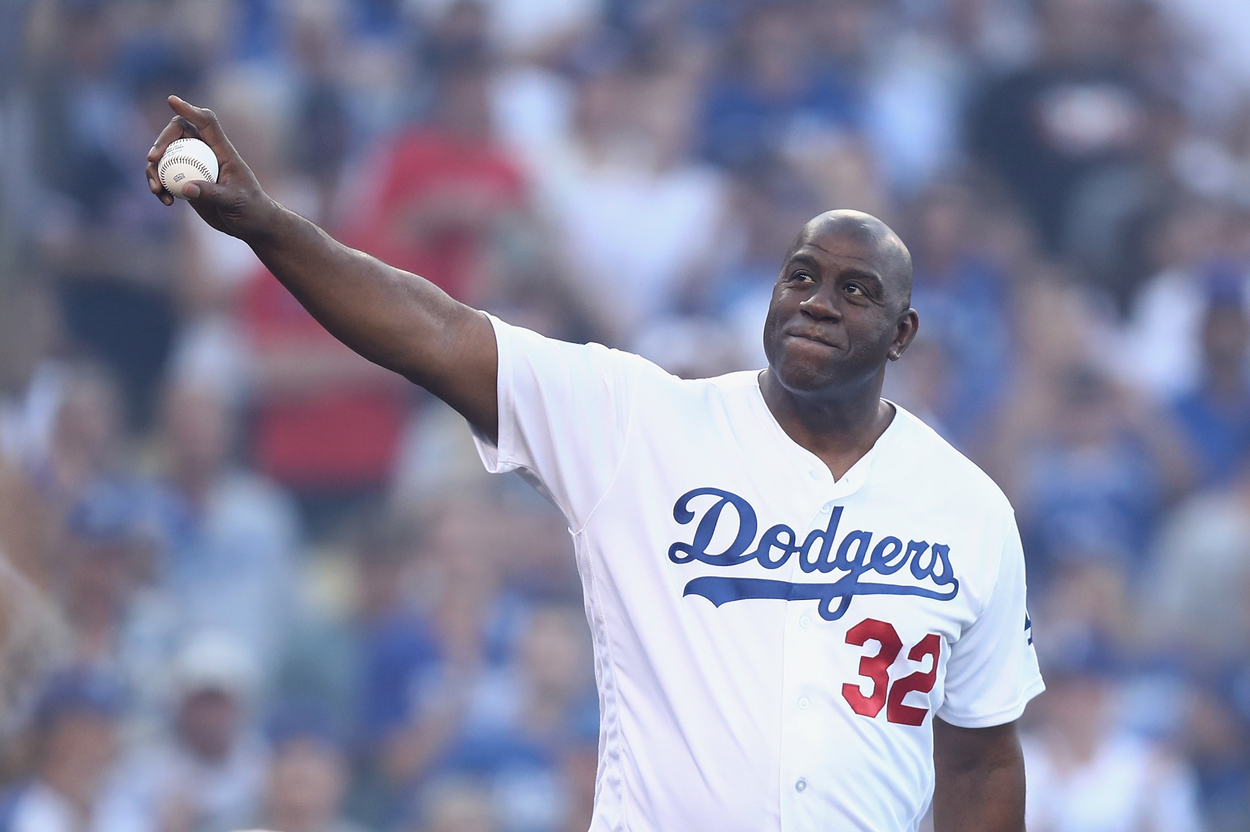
177	128
205	122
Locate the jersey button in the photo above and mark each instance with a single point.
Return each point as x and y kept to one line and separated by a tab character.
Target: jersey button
805	622
825	508
803	703
801	785
814	474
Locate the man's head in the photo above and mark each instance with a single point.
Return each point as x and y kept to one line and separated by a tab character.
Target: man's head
75	724
841	307
214	676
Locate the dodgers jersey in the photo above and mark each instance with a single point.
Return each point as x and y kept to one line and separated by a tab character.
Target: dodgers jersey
771	645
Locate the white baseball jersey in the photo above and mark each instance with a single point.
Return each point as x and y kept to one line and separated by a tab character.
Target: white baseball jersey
771	645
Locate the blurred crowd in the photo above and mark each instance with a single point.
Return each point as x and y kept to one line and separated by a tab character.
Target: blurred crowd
251	580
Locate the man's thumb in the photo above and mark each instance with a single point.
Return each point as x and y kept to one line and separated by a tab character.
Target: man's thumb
204	190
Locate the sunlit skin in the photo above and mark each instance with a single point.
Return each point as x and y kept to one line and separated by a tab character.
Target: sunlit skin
840	311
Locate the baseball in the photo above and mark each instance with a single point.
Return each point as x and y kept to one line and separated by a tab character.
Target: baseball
186	160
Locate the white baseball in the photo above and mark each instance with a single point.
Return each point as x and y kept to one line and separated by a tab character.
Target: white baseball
186	160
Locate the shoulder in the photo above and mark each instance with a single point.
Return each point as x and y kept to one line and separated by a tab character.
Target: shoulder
517	343
921	456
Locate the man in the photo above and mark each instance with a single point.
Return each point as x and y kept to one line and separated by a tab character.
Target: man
74	734
205	772
731	698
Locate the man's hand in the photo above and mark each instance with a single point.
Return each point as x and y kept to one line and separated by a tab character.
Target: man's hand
235	204
980	779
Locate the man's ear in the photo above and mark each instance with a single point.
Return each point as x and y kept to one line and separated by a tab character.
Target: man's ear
908	326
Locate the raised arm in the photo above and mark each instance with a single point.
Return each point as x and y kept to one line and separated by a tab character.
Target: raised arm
979	779
395	319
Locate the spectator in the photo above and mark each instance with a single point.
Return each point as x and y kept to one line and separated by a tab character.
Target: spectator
768	200
31	380
75	740
1194	596
105	562
443	189
88	439
308	773
309	387
33	643
106	247
373	668
206	774
766	94
1092	470
1087	774
524	719
415	689
967	296
634	216
32	385
1216	415
232	536
1051	126
1163	336
455	805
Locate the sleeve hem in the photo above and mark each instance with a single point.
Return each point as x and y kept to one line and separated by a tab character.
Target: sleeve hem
496	457
1000	717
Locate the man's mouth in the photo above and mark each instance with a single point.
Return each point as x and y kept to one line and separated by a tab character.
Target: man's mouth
814	337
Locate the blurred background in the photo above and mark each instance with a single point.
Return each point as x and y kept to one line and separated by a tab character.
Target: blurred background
251	580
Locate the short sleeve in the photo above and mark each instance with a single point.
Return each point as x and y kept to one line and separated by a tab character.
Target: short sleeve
992	673
564	412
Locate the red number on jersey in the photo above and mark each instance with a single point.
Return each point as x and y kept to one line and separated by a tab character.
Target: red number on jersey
921	681
876	668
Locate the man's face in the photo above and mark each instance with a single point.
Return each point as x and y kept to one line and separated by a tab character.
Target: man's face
839	310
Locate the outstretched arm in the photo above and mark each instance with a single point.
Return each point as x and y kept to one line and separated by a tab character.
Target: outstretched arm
393	318
980	779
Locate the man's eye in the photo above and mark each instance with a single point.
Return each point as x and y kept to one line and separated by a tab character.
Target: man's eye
854	289
802	277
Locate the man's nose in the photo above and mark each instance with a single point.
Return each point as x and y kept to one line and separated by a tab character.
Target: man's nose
822	303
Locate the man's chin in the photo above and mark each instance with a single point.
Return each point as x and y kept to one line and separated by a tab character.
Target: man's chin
824	380
805	380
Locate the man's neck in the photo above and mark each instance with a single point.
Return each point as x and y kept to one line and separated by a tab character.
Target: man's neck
839	430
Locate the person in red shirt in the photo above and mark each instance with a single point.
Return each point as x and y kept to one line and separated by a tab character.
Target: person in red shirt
443	190
329	423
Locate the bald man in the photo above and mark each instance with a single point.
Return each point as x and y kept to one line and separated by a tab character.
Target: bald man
808	611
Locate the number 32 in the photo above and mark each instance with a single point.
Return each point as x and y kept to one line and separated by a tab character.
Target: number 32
877	668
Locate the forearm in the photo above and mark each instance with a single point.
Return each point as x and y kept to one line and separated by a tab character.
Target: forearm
395	319
979	784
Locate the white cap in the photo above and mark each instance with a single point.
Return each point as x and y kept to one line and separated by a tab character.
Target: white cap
215	661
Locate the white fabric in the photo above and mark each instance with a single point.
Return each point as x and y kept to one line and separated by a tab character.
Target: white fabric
1162	348
154	780
628	234
40	809
734	717
1127	786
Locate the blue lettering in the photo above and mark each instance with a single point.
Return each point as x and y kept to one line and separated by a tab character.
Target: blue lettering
697	550
918	569
772	539
857	563
821	561
881	561
855	556
943	576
